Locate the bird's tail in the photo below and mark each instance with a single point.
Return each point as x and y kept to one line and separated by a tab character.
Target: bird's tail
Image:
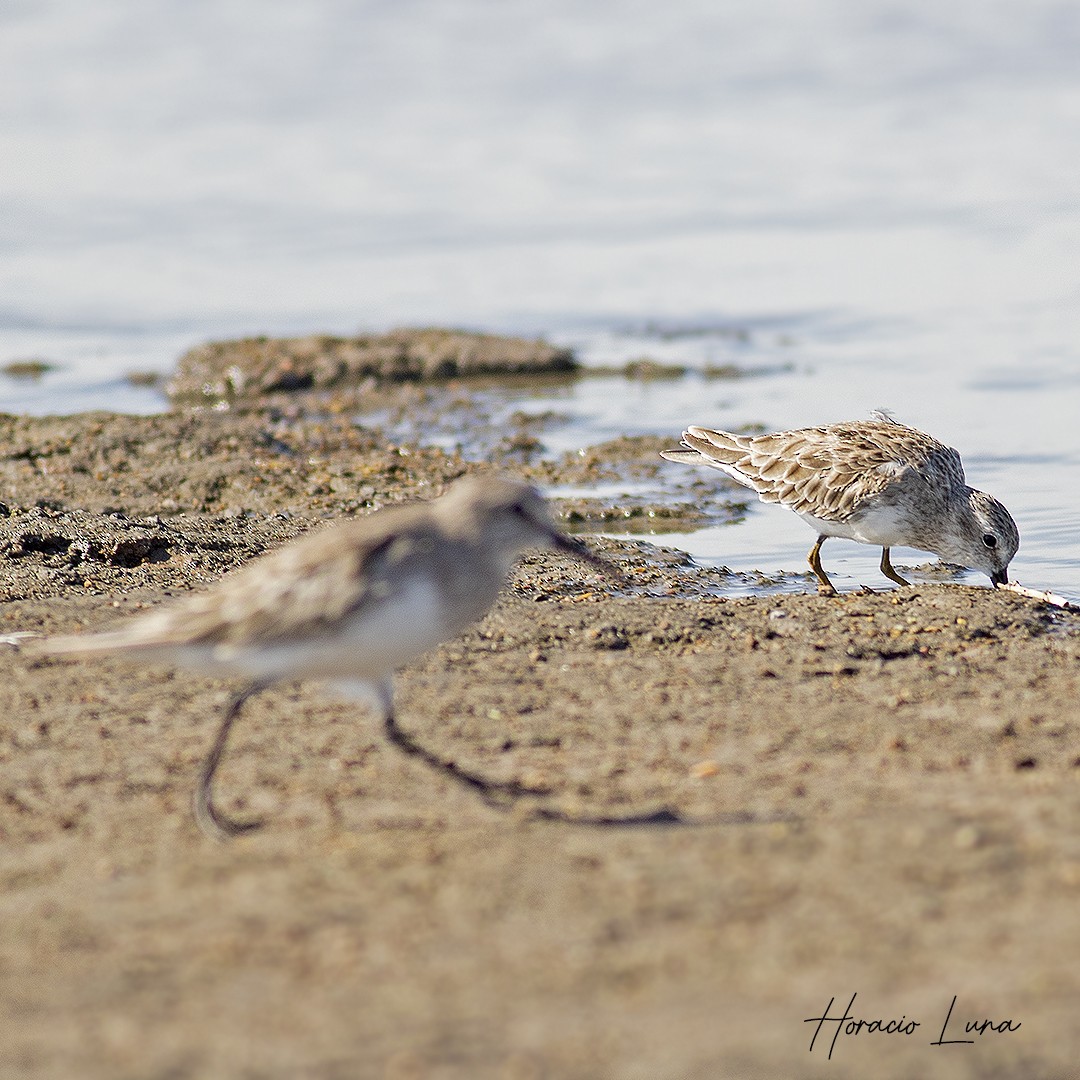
79	644
719	448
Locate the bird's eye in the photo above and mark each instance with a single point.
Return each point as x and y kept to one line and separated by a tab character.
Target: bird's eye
990	540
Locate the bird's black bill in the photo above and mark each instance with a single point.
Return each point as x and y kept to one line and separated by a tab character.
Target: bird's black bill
1001	578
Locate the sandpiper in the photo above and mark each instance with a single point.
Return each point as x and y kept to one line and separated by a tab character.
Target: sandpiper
348	605
876	481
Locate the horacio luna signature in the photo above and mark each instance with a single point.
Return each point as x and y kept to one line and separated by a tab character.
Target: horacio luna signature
951	1032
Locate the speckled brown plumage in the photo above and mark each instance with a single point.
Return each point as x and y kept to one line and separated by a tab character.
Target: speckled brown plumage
874	481
828	471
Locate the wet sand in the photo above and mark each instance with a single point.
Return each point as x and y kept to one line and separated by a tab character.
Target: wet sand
875	794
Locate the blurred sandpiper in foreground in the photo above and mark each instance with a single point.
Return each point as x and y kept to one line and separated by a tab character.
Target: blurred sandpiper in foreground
348	605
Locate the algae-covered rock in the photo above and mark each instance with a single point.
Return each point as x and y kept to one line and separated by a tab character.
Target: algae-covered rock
248	368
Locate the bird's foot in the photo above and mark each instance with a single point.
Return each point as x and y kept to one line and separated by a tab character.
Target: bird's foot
216	825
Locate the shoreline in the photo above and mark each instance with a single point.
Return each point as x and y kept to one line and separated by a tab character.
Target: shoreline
886	787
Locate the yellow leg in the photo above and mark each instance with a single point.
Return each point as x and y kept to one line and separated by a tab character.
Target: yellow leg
826	587
888	571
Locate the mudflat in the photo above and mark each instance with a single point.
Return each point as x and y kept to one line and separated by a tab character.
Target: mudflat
865	807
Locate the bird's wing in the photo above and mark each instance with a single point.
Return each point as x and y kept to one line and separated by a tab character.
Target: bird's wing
823	471
299	590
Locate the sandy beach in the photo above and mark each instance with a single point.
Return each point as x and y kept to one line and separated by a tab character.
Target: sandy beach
871	803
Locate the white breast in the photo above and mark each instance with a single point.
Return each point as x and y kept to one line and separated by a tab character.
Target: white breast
381	637
882	527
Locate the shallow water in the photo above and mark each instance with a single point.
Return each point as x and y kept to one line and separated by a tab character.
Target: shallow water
876	206
791	384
